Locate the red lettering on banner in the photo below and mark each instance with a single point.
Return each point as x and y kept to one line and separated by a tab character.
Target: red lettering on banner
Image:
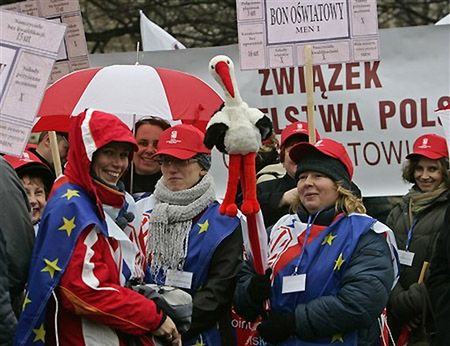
290	112
351	75
301	79
404	106
332	117
386	109
318	79
357	75
411	112
266	75
370	74
337	70
353	117
283	81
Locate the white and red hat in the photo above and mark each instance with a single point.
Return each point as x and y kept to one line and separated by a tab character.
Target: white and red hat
181	141
431	146
297	128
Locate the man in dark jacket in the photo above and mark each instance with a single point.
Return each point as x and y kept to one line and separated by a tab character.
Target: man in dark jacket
275	196
439	284
17	240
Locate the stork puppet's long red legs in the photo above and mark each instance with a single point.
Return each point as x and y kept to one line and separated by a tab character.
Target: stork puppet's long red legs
246	165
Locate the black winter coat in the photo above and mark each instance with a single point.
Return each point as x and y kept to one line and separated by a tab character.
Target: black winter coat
439	284
408	299
269	196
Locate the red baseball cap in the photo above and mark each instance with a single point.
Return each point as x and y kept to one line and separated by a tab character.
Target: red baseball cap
29	163
431	146
181	141
297	128
325	146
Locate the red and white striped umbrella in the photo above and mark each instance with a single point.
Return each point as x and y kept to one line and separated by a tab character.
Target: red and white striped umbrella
131	92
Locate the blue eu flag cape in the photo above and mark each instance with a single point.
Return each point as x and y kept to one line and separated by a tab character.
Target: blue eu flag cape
68	212
204	238
324	259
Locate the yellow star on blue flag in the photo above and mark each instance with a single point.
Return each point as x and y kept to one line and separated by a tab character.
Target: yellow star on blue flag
328	239
71	193
337	337
39	334
203	226
25	301
68	225
339	262
199	343
51	267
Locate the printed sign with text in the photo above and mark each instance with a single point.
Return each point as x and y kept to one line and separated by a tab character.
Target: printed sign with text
273	33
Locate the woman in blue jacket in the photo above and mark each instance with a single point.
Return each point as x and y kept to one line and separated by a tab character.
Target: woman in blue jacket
330	266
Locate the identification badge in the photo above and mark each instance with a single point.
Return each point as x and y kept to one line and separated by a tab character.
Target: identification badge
294	283
406	258
178	278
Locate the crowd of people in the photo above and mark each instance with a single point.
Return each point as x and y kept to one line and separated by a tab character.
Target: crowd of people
140	208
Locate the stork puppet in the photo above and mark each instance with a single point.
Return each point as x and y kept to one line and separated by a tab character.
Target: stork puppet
236	130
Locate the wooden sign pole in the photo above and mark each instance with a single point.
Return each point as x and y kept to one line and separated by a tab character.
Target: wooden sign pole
307	52
55	153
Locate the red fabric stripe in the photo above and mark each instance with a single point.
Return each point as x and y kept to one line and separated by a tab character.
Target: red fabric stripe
176	84
295	250
61	98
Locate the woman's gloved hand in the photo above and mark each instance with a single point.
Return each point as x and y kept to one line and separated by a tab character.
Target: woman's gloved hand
259	287
278	327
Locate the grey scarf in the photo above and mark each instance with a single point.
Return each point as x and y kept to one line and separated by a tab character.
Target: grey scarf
171	222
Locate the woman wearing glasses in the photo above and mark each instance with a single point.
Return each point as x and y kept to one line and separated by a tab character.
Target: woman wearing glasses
141	178
193	246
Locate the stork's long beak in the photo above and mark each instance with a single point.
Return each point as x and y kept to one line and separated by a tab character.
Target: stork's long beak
223	71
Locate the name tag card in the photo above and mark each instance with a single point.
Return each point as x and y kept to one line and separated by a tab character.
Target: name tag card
406	258
178	278
294	283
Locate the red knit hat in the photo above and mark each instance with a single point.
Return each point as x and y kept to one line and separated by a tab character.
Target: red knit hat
431	146
181	141
297	128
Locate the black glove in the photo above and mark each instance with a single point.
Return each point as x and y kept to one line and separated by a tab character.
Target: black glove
265	127
215	136
259	287
407	305
278	327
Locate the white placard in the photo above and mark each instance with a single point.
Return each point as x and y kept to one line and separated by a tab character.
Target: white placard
73	52
28	49
339	30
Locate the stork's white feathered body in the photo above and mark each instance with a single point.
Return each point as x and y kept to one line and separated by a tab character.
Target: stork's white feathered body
243	136
241	141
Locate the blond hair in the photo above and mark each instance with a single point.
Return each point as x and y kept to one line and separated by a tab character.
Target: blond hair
346	202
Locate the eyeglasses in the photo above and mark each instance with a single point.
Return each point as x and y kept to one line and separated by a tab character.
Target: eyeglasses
169	161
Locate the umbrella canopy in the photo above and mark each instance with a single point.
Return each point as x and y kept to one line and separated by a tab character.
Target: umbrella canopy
131	92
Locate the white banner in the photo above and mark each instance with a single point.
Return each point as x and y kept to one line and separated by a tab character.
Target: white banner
28	49
376	109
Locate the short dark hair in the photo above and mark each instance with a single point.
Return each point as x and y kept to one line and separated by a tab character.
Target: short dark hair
290	141
410	166
59	136
152	120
